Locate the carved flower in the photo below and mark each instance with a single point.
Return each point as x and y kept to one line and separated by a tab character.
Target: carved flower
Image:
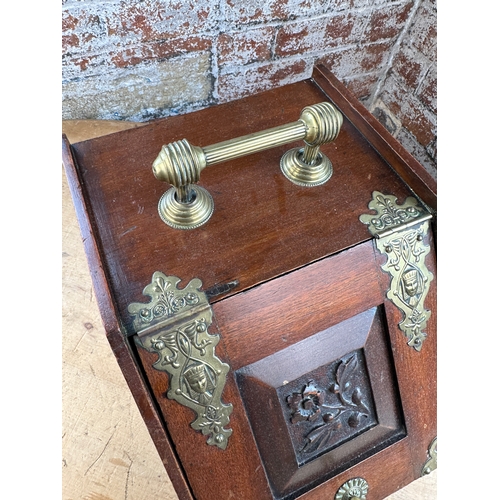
306	405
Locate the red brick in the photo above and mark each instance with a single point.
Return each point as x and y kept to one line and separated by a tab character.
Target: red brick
69	22
423	32
277	75
291	9
300	37
362	86
83	28
248	81
74	66
418	123
240	12
409	66
138	54
140	19
132	55
243	12
69	42
409	110
357	60
245	47
427	92
344	29
155	20
387	22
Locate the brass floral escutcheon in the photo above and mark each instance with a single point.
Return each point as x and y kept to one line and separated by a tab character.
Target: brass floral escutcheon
356	488
400	231
174	325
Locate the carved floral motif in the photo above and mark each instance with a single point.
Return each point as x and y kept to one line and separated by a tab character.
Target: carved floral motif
341	404
307	404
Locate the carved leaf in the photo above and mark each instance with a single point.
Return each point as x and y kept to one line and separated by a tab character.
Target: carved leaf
356	397
354	419
363	408
344	374
346	370
318	438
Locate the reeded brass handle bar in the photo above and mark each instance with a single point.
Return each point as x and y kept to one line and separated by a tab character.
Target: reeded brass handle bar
179	163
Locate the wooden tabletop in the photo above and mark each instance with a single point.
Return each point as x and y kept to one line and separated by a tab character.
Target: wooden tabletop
107	451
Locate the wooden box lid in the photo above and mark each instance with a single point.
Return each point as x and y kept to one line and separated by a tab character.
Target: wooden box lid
263	225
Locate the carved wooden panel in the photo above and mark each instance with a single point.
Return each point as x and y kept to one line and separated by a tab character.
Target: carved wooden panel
323	404
328	406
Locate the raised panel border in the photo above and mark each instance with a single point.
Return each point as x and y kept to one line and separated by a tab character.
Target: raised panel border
261	385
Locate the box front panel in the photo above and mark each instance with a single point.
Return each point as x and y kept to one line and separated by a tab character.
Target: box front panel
320	388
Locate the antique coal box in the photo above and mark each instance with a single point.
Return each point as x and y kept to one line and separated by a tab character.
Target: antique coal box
266	275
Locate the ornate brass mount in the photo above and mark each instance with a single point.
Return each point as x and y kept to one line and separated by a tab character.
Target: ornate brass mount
174	325
354	489
187	205
431	463
399	231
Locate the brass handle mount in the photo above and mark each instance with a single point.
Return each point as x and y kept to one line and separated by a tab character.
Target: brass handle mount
187	205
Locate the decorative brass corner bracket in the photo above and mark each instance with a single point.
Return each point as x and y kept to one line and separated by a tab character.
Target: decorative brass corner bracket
174	325
400	231
431	463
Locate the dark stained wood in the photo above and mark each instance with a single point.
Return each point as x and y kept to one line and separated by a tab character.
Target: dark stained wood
214	474
315	361
263	225
119	344
304	299
303	261
88	230
288	312
410	170
385	474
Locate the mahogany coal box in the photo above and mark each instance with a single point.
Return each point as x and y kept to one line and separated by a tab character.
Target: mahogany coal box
286	347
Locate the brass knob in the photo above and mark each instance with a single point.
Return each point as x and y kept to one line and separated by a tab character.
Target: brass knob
186	205
354	489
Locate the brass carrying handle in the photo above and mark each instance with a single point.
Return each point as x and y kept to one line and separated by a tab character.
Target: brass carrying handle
187	205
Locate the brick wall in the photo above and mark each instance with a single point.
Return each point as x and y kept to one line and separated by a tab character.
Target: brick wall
405	98
138	60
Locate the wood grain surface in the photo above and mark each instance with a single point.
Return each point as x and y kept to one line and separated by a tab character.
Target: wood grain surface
107	452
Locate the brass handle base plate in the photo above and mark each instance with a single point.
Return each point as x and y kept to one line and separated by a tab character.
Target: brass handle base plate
303	174
186	215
